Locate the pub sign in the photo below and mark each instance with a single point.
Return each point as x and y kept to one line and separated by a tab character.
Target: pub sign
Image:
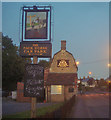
36	23
34	81
30	49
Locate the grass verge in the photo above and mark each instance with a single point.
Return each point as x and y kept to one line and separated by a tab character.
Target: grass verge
40	112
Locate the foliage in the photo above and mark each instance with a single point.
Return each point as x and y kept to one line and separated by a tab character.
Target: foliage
12	64
102	82
90	81
80	86
44	63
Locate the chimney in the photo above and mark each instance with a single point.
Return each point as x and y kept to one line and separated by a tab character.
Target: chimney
63	44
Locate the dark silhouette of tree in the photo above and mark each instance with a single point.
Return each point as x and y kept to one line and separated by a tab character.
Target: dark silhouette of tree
102	82
12	64
90	81
44	63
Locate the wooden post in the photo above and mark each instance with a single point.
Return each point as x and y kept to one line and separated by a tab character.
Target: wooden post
64	93
33	100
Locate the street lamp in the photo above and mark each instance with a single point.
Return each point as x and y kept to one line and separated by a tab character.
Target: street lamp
77	63
90	73
109	65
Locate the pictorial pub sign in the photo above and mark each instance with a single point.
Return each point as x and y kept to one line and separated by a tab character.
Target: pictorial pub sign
36	23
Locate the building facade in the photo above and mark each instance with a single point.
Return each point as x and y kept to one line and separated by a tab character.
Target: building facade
61	79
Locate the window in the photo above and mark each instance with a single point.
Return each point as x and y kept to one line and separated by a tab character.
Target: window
56	89
63	63
71	89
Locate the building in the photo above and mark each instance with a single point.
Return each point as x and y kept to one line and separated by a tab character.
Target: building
88	82
20	93
61	80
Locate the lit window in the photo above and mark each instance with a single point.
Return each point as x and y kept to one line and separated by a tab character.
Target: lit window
56	89
63	63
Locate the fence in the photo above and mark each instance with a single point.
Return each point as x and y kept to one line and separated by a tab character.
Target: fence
63	111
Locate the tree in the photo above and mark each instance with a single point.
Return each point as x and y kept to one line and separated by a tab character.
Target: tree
12	64
44	63
80	86
90	81
102	82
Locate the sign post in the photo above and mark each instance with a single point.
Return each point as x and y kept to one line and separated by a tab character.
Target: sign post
34	84
36	43
33	100
33	107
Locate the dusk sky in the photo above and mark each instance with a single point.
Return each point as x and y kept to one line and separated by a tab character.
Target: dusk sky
84	26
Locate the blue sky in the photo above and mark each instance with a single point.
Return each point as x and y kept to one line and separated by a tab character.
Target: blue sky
84	25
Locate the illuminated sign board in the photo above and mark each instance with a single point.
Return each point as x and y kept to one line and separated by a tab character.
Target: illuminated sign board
36	23
30	49
34	81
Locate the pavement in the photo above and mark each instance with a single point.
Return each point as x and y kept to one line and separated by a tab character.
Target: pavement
91	105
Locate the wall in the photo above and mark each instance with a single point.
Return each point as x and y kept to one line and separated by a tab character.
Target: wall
63	55
58	97
20	93
68	94
46	72
47	93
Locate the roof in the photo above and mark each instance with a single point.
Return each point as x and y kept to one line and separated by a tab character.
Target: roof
87	79
68	53
61	78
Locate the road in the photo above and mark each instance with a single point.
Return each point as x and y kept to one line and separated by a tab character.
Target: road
11	107
90	105
93	105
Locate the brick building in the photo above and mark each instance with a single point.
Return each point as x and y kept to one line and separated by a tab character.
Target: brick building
20	93
61	78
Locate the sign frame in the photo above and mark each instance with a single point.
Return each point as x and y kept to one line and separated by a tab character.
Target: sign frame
36	9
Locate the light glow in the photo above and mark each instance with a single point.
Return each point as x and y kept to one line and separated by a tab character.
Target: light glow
90	73
77	63
109	65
